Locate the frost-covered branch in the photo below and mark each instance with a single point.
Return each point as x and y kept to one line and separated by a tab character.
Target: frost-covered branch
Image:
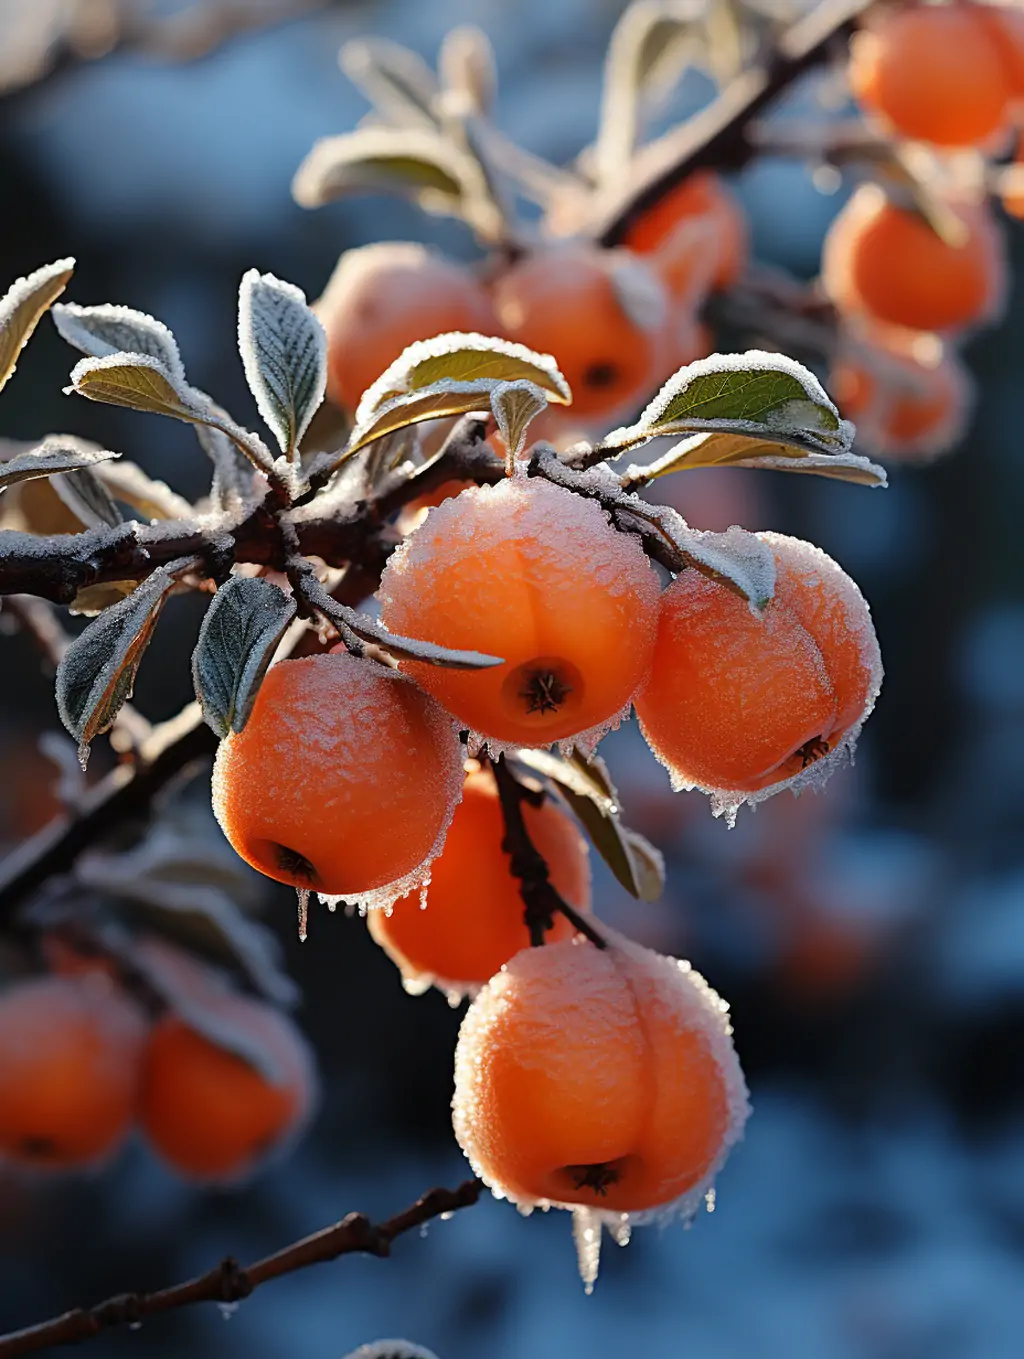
229	1282
541	898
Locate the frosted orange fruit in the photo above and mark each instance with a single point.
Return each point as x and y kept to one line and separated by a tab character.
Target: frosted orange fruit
213	1113
737	702
1005	25
343	780
70	1049
534	574
885	263
903	407
601	313
383	297
933	73
471	920
702	196
600	1079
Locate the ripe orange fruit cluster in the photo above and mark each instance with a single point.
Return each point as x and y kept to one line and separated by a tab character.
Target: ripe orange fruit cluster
618	321
946	74
81	1065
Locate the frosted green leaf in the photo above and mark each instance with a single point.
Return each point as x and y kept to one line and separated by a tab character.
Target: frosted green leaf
97	673
397	82
761	395
237	640
514	405
284	353
740	450
107	329
51	457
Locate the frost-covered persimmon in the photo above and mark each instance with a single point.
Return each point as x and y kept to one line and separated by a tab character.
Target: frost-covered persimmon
383	297
70	1050
212	1110
903	405
885	263
534	574
702	196
739	702
934	73
601	313
343	780
471	920
600	1079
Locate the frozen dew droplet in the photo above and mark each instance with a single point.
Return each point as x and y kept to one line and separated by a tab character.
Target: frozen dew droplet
586	1231
620	1229
227	1309
135	1325
447	1217
302	893
709	1199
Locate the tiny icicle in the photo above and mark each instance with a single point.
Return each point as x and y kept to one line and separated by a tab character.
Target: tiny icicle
83	755
620	1231
303	896
709	1199
586	1232
227	1309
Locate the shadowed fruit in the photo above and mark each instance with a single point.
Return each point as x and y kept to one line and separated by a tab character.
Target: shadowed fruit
600	1078
885	263
903	406
701	197
472	922
602	314
738	701
383	297
343	780
69	1070
211	1113
934	73
537	575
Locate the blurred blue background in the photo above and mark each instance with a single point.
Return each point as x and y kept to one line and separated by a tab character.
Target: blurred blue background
871	940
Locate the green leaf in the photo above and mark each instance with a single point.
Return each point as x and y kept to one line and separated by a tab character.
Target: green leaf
757	394
587	788
736	557
442	400
412	649
514	405
464	357
237	640
53	456
22	306
97	673
415	163
142	383
284	353
740	450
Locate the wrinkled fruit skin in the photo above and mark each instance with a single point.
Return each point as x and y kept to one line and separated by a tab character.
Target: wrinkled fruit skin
605	1078
344	778
536	575
473	922
737	701
209	1113
70	1049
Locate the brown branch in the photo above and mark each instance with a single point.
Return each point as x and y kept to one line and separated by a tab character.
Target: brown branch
717	137
125	794
541	898
57	568
229	1283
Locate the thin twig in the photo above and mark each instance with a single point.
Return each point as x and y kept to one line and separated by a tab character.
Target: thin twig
717	137
540	896
229	1282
